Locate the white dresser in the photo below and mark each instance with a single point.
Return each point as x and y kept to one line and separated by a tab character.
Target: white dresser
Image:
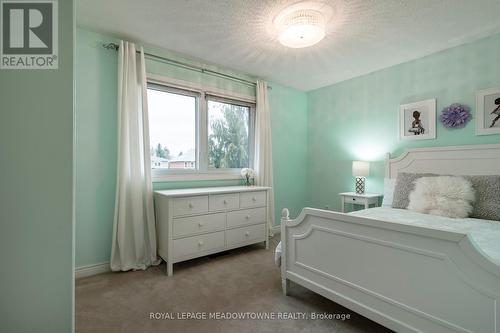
196	222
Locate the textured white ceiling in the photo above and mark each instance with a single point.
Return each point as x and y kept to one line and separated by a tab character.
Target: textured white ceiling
364	35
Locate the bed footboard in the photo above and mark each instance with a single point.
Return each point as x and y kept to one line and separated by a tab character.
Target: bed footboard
407	278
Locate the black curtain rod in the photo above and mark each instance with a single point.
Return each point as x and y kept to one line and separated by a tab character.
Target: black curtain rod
114	46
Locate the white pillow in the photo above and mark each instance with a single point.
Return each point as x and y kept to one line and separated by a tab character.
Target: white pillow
443	195
389	184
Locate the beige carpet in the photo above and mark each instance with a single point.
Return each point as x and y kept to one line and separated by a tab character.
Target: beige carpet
238	281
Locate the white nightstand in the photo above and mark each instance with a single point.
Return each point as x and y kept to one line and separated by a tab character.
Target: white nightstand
354	198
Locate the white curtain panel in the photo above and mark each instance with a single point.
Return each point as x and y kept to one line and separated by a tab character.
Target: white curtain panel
263	148
134	235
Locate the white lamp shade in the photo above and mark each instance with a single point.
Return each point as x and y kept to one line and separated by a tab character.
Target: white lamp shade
360	168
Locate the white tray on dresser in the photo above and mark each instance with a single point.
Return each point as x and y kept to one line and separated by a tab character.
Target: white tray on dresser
195	222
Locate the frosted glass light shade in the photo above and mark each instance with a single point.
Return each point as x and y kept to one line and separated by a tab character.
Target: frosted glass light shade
301	35
360	168
302	24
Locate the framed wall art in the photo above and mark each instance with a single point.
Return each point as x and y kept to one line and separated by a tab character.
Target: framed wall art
417	121
488	111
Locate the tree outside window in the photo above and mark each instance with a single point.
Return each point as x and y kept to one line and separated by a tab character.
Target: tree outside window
228	140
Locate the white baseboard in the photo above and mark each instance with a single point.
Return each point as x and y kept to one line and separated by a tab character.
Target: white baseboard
276	229
84	271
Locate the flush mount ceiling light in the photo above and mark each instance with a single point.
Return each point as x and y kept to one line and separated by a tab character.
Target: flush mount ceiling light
303	24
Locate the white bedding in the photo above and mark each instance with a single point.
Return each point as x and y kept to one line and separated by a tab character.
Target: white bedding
485	233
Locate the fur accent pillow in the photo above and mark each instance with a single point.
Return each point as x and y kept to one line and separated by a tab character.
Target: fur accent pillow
405	183
443	195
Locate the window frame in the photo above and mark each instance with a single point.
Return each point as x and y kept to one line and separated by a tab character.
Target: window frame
202	170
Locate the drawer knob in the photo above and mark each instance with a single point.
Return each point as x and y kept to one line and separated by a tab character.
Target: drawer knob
200	243
254	199
247	233
200	224
247	217
225	202
190	205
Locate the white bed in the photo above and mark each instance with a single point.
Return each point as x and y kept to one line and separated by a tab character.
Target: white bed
410	272
484	233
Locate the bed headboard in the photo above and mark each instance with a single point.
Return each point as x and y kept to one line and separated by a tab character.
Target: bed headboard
455	160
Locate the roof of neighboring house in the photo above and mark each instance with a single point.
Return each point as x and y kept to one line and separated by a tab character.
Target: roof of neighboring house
188	156
158	159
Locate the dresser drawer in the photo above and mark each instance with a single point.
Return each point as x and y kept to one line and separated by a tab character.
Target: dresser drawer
246	216
190	205
191	245
186	226
218	202
253	199
245	234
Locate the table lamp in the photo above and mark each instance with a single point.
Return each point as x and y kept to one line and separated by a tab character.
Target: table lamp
360	170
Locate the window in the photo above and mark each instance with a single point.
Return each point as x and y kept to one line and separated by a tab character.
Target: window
228	134
172	128
192	132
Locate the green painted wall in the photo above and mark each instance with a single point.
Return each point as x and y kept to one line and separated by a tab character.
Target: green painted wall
95	150
358	118
36	205
289	134
95	147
